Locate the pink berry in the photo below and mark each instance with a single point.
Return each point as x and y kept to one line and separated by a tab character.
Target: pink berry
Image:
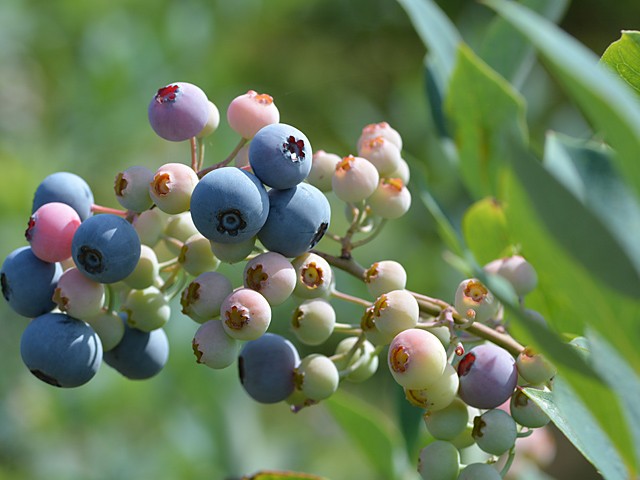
78	296
416	359
382	129
272	275
384	154
50	231
391	199
245	314
354	179
250	112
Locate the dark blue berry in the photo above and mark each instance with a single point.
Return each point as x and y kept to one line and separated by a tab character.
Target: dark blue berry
139	355
65	187
229	205
28	283
298	219
266	367
106	248
61	350
280	156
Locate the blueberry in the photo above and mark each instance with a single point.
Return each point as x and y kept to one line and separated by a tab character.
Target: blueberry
488	376
229	205
28	283
65	187
139	355
298	219
61	350
178	111
106	248
266	367
280	155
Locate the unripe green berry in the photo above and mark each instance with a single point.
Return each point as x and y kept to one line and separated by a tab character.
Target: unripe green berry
385	276
448	423
368	326
196	256
179	227
364	357
396	311
439	461
479	471
132	188
416	358
150	225
146	271
354	179
233	252
313	276
534	367
172	186
146	309
109	327
526	412
495	431
313	321
317	377
391	199
439	394
474	301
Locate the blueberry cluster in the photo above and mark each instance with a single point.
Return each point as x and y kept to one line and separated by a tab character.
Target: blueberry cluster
97	285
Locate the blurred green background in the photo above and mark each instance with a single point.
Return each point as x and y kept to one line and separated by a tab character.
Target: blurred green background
75	81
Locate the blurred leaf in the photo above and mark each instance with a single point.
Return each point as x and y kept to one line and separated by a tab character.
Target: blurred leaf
569	414
435	97
507	51
585	169
571	299
485	109
484	227
370	429
605	100
438	34
623	56
586	238
269	475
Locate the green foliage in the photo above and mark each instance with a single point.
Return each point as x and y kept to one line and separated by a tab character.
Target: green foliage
623	56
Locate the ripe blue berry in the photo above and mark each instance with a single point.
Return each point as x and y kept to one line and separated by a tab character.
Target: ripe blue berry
229	205
28	283
298	219
65	187
178	111
280	156
488	376
139	355
106	248
266	367
61	350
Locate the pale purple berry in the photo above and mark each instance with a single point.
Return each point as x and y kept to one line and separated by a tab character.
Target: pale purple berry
178	111
213	347
382	129
202	298
272	275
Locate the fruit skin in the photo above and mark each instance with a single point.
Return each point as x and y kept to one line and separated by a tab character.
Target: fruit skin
106	248
250	112
139	355
28	283
201	299
178	111
488	376
65	187
280	156
439	461
61	350
416	358
313	275
517	271
298	219
266	367
495	431
366	369
229	205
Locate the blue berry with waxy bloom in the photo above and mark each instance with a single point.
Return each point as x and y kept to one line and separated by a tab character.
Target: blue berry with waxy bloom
178	111
280	155
229	205
28	283
298	219
139	355
106	248
266	367
61	350
65	187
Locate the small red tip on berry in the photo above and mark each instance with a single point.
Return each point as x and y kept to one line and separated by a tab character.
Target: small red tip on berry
465	364
167	94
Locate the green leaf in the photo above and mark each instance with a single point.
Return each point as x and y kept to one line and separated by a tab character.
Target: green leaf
438	34
609	104
507	51
586	170
269	475
485	110
586	236
484	226
570	299
623	56
574	420
370	429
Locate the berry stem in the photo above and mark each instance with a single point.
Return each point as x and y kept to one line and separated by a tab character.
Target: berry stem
193	143
373	235
226	161
350	298
507	466
102	209
346	264
173	241
200	154
347	329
